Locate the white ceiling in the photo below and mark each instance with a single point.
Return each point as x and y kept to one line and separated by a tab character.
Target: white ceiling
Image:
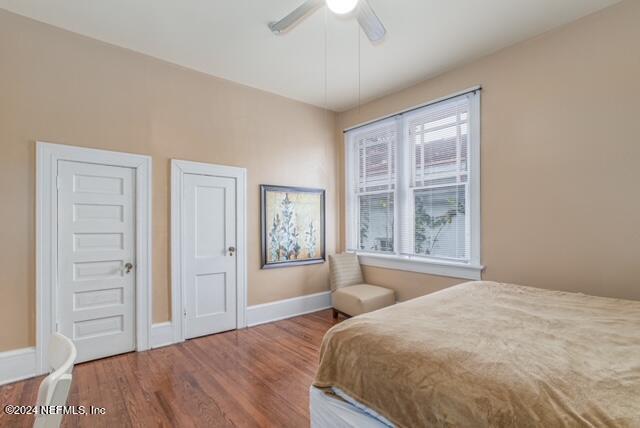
230	38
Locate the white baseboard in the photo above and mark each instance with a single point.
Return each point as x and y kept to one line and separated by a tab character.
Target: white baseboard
161	335
20	364
17	365
283	309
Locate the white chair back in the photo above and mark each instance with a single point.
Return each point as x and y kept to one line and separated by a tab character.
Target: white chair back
54	389
344	270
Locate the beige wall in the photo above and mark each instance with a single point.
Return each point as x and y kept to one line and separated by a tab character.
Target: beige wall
560	157
59	87
407	285
560	153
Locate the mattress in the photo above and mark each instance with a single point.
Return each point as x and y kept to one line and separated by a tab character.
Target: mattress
487	354
334	409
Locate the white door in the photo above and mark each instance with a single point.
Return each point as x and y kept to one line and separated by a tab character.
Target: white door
209	241
95	298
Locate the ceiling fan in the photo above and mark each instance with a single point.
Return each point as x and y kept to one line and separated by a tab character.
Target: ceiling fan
367	18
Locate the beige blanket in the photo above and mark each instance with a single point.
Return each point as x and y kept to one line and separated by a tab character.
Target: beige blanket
486	354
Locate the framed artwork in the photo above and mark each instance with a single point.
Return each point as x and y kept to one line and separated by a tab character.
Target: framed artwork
292	223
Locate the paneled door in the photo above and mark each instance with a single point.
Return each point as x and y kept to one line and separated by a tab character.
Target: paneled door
209	241
95	297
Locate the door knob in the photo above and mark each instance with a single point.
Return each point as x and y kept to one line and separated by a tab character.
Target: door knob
128	267
232	250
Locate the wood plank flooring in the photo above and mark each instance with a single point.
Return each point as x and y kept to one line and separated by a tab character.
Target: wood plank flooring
253	377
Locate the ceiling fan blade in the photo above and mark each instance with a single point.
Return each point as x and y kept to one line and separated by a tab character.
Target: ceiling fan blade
370	23
296	16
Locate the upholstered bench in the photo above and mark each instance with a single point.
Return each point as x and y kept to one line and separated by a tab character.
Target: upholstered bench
349	294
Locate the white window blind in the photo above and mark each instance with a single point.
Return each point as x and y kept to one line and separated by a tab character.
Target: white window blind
438	139
375	185
413	183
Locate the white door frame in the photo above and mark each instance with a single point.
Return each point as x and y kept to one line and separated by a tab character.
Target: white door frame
47	157
178	169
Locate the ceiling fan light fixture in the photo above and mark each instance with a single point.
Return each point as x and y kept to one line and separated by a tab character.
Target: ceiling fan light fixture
341	7
359	9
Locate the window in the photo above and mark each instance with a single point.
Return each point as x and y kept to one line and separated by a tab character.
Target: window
375	185
413	189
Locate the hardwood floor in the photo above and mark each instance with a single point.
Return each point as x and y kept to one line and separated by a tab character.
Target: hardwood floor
254	377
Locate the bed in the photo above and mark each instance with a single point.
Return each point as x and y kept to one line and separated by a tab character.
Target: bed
484	354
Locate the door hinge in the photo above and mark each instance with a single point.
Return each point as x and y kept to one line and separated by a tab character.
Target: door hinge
57	327
184	312
58	182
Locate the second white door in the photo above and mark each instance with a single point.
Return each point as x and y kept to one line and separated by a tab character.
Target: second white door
209	251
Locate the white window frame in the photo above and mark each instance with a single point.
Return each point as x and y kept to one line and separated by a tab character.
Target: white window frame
466	270
353	207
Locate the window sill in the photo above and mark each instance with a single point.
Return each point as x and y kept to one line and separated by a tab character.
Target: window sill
433	267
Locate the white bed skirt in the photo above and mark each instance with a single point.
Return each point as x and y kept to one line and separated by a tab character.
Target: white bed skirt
329	412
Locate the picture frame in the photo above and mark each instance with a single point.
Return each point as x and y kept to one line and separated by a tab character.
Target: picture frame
292	226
